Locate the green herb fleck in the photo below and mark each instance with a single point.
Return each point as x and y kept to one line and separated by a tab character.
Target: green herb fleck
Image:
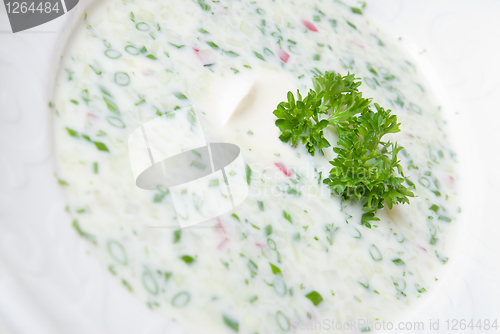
127	285
188	259
314	297
352	25
213	45
443	218
231	323
176	46
356	10
275	269
111	105
203	5
180	96
231	53
269	230
258	55
101	146
177	236
84	234
434	208
72	133
398	262
248	171
287	216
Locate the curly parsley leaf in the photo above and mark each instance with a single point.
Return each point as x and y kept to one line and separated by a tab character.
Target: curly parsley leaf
366	169
299	121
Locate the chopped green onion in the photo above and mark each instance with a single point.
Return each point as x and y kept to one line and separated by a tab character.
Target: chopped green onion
188	259
149	283
375	253
132	50
287	216
113	54
258	55
159	197
111	105
275	269
424	181
180	96
83	234
122	78
268	52
117	252
213	45
282	321
231	323
269	229
177	46
72	133
352	25
434	208
96	71
231	53
181	299
177	236
248	171
442	259
279	286
198	164
253	267
213	183
416	109
116	122
127	285
314	297
142	26
203	5
101	146
356	10
398	262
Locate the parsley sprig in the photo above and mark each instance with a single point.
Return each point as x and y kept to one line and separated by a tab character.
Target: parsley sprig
366	169
299	121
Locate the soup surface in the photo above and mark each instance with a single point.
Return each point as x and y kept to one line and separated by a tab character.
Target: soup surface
291	254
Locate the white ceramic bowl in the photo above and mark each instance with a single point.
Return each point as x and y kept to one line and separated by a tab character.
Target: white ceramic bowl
49	281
